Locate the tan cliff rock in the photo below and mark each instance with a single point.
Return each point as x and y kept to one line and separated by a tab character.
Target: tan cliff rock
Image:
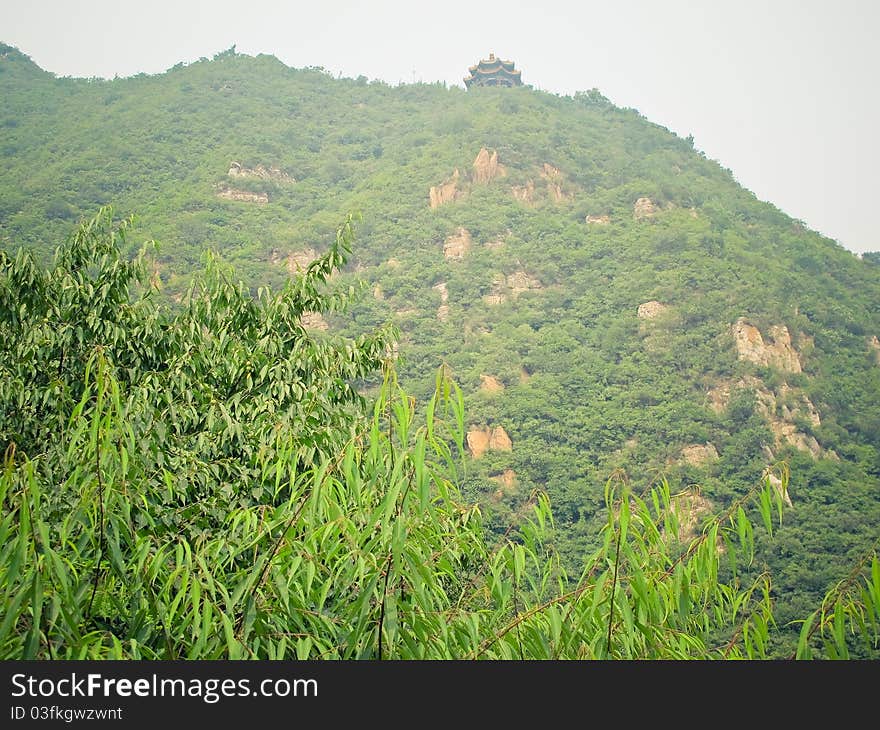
598	220
490	384
699	454
511	286
776	483
507	482
313	321
486	167
553	177
443	291
524	193
481	440
644	208
650	310
874	345
781	410
443	309
519	282
446	192
457	245
298	261
777	352
259	172
244	196
689	507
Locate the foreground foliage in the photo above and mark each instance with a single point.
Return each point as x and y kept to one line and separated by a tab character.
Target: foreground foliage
207	484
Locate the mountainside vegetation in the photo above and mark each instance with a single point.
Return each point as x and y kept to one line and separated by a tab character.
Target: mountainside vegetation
642	348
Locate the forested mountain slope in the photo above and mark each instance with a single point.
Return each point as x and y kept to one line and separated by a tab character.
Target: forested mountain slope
607	297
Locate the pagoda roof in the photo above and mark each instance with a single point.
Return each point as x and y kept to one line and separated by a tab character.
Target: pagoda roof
493	72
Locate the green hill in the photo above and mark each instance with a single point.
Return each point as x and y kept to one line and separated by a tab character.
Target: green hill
607	297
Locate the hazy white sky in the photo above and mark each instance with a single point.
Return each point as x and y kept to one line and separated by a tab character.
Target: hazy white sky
782	92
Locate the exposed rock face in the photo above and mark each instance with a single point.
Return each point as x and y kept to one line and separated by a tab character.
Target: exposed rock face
443	291
457	245
699	454
260	172
553	176
598	220
778	353
481	440
496	293
445	192
507	480
782	410
651	309
378	294
524	193
244	196
443	309
313	321
644	208
298	261
874	344
511	286
688	508
490	384
486	167
776	483
519	282
392	263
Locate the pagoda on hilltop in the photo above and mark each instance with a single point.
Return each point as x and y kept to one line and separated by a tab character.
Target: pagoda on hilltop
493	72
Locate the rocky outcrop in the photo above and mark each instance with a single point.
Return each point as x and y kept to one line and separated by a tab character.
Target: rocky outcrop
699	454
777	352
446	192
689	507
496	294
506	481
244	196
598	220
519	282
490	384
443	309
486	167
259	172
524	193
298	261
553	177
378	294
457	245
480	441
442	290
313	321
782	410
644	208
776	483
650	310
510	286
874	345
